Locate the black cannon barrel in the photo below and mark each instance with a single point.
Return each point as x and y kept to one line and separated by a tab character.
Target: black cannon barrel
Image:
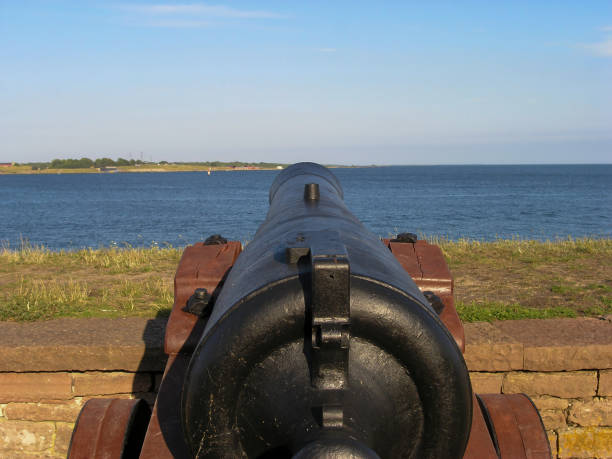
320	343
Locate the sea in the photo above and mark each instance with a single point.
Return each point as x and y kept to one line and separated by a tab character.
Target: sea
72	211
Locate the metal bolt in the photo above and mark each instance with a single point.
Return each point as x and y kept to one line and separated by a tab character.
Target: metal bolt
406	237
435	301
215	239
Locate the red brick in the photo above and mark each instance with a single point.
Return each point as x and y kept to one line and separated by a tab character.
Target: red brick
33	387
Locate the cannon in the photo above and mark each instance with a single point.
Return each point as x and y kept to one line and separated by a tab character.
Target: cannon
319	339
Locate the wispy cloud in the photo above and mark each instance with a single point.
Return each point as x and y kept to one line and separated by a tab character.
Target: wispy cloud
178	23
327	50
602	48
200	10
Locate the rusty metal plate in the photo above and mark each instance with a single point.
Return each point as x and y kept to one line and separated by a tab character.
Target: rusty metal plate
109	428
480	445
517	426
426	265
164	438
201	266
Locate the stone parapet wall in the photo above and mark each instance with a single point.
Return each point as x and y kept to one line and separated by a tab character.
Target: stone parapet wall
38	410
564	365
575	406
48	370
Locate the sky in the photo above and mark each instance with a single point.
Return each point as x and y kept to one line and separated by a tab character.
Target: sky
332	82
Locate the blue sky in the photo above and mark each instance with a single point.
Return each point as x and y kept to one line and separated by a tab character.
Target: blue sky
333	82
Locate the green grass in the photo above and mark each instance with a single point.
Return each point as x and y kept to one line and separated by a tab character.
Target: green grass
486	312
39	284
515	278
39	300
498	280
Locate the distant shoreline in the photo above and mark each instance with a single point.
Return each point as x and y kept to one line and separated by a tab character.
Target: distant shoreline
27	170
22	170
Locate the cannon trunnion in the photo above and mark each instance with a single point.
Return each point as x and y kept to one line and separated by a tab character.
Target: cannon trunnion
315	341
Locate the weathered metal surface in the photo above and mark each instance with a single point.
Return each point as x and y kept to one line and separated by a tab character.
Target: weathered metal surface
164	438
201	266
330	316
480	445
109	428
519	432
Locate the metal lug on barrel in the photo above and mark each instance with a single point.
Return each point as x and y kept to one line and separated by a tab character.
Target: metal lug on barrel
311	192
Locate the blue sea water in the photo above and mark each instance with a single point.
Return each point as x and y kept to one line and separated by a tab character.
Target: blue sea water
144	209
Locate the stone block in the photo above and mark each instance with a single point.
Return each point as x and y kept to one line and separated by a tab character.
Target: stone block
595	412
605	383
123	396
26	436
130	344
489	349
562	384
553	419
486	383
52	410
148	397
552	441
33	387
562	344
583	442
63	434
157	381
545	402
24	455
109	383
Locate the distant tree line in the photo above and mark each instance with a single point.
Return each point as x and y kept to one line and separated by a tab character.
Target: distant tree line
85	163
230	164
